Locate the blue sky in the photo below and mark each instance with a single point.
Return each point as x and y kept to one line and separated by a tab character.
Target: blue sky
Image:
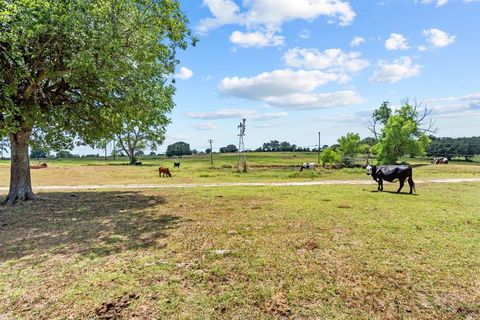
296	67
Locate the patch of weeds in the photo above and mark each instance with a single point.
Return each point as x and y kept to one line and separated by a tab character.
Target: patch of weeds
304	174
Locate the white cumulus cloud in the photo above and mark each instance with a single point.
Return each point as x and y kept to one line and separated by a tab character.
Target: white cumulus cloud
223	12
311	101
291	89
357	41
438	38
184	74
332	60
256	39
277	83
396	42
271	14
399	69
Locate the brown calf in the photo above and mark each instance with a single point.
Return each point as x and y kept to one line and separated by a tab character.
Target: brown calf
162	172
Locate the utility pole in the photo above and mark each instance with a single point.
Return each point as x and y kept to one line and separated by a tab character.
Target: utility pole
318	147
211	151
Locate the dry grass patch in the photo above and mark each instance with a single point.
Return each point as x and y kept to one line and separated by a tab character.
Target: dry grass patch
309	252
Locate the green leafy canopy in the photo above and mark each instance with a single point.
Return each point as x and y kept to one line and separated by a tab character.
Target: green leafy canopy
401	135
79	69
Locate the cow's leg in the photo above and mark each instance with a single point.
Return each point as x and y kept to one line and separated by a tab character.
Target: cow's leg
402	183
380	184
411	184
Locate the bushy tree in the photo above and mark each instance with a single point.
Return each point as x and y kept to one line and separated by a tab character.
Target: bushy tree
350	145
420	115
329	156
74	70
272	146
65	154
178	149
369	141
276	146
379	118
229	148
135	135
38	153
401	135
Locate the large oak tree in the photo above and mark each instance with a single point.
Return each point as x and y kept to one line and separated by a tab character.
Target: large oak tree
73	70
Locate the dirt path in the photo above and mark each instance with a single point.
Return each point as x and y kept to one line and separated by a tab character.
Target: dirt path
234	184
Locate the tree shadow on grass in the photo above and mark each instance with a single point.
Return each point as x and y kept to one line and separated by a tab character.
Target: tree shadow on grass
88	223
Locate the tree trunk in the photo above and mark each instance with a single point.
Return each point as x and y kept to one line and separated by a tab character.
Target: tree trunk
20	181
131	156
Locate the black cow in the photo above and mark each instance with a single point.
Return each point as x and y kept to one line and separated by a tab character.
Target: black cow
390	173
307	166
176	164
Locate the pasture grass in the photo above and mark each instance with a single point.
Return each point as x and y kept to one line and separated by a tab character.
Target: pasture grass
322	252
267	167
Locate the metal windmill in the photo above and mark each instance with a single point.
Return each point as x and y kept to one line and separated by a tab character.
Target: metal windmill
242	159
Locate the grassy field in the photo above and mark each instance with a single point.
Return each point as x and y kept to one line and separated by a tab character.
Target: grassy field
263	167
324	252
310	252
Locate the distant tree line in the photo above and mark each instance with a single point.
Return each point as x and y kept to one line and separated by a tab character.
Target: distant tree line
276	146
454	147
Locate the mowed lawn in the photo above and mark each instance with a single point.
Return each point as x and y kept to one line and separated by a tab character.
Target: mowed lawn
323	252
264	167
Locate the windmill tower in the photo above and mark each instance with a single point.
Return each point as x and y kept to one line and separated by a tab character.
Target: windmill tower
242	159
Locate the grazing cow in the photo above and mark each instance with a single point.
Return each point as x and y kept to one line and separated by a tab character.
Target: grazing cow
162	172
440	160
40	166
307	166
176	165
138	163
390	173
